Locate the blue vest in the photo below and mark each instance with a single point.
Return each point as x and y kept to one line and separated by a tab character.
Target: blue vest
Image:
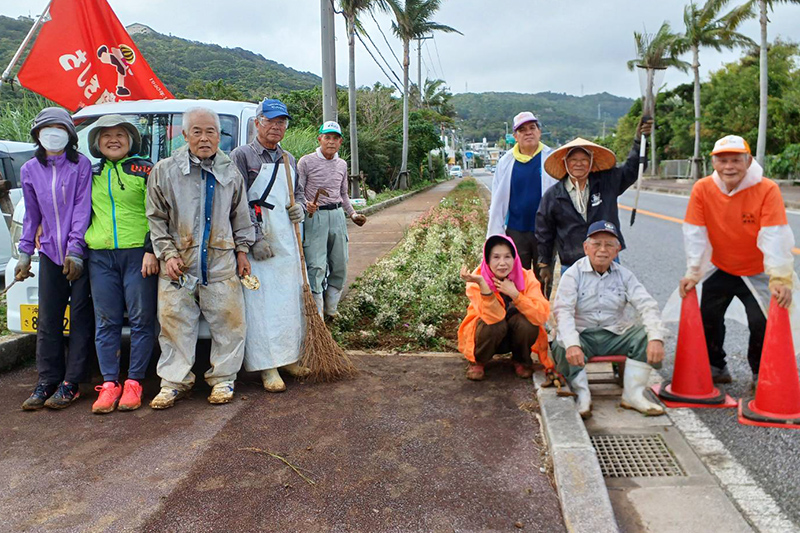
525	194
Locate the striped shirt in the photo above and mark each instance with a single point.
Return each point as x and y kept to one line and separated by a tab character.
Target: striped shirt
315	172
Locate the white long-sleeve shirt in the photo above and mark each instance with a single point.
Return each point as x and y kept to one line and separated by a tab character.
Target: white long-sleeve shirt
587	300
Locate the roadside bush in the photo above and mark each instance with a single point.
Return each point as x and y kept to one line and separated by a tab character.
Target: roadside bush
413	299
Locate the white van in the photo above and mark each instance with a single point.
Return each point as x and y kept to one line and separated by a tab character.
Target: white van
159	122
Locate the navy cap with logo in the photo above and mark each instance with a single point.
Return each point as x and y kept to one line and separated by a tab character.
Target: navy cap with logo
272	108
601	226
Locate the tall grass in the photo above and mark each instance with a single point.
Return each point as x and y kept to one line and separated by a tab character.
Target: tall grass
17	116
302	141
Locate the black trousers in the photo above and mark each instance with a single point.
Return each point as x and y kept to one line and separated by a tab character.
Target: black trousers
526	244
55	292
718	293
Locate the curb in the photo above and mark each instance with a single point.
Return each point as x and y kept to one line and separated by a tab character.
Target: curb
14	349
581	488
396	200
681	192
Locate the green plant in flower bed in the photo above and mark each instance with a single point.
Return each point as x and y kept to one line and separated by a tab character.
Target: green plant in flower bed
413	299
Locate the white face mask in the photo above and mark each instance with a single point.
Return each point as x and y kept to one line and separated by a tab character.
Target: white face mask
53	139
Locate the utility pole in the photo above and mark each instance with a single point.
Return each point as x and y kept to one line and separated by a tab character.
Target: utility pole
329	99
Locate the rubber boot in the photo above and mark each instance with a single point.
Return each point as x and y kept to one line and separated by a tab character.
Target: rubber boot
635	382
580	386
318	300
272	381
332	296
296	370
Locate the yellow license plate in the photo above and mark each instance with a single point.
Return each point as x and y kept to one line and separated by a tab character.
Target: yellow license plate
29	316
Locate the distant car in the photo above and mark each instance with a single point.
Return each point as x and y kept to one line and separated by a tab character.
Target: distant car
159	122
456	172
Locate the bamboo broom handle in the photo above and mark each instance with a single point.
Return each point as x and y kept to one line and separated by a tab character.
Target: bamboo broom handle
296	224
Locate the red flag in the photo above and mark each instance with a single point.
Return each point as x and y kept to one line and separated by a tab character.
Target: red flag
84	56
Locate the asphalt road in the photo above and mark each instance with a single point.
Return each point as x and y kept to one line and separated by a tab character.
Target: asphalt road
655	254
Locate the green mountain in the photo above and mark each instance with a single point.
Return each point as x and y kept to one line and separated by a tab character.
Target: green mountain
562	116
184	65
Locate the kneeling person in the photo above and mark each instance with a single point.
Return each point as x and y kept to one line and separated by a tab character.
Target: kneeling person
590	310
506	311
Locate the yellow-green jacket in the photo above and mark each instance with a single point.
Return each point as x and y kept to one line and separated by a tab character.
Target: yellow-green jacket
119	195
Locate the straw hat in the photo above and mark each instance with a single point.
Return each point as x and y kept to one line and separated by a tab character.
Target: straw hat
602	158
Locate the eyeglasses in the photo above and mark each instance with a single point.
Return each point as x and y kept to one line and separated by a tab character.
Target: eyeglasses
603	244
279	122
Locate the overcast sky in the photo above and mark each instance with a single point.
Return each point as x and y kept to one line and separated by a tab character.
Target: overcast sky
571	46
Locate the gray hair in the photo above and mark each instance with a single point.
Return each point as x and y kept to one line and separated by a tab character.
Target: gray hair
191	112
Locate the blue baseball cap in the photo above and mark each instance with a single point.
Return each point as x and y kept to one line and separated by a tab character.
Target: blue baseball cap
272	108
601	226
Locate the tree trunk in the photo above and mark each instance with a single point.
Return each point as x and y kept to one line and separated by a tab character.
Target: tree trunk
761	146
696	67
650	109
355	189
404	160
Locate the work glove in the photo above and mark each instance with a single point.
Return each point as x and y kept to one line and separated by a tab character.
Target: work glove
23	269
545	274
358	218
261	249
73	267
296	214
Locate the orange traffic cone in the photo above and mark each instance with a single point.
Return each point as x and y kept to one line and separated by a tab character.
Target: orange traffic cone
691	384
777	401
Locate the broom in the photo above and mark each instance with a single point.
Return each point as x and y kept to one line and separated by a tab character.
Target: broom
320	353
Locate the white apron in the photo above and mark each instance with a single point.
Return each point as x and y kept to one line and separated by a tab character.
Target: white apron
275	321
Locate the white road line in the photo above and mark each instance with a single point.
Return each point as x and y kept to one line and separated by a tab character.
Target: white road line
794	212
758	507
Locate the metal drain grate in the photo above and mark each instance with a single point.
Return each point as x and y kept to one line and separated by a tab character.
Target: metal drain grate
635	456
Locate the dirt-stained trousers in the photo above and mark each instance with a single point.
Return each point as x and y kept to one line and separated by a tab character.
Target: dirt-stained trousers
325	248
222	305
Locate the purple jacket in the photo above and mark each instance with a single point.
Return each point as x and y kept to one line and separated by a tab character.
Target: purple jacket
59	197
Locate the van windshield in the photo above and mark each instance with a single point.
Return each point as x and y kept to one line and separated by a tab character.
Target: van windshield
161	134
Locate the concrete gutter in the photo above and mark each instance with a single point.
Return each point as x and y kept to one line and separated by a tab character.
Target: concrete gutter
394	201
581	488
14	349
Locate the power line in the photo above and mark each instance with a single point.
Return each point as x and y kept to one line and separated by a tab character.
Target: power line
437	56
380	54
378	63
385	39
428	48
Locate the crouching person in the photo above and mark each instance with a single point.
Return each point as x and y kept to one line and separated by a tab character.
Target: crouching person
506	312
590	310
201	232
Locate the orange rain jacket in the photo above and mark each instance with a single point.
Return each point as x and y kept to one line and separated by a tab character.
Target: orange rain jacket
492	309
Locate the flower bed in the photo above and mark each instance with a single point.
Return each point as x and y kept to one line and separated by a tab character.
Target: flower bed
413	299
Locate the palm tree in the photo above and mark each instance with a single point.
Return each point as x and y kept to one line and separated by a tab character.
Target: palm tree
655	52
436	96
351	9
704	27
763	78
412	21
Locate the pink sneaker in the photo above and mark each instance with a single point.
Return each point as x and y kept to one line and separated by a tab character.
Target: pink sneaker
131	396
110	393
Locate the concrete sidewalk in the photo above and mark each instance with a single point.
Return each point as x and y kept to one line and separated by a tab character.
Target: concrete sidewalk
409	445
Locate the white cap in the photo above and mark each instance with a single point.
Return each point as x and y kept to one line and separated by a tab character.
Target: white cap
330	127
523	118
731	144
